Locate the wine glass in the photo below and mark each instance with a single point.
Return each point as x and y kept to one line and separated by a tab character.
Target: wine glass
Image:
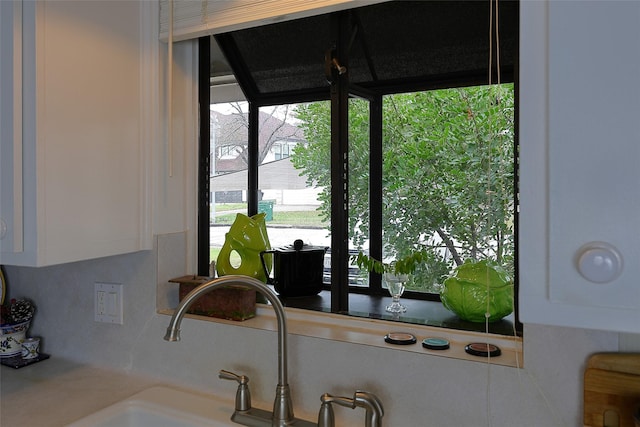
395	284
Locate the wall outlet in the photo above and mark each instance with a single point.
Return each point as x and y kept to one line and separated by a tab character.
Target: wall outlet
108	305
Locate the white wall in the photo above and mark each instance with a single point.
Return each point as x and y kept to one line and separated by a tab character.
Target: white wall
416	389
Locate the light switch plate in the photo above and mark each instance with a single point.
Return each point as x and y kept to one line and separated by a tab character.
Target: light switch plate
108	303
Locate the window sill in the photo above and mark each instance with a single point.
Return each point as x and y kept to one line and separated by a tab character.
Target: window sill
419	312
371	332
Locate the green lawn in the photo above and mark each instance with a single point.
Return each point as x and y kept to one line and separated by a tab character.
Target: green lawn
222	207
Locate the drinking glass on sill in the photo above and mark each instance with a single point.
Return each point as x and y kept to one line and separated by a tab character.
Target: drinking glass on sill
395	285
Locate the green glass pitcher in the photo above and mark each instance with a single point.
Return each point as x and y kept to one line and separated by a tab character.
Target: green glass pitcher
247	237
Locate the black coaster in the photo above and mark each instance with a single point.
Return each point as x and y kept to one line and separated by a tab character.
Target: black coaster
435	343
400	338
482	349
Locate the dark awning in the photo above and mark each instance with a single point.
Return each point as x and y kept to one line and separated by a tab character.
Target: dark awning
396	46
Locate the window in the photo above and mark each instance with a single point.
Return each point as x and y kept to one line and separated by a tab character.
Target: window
419	156
281	186
283	149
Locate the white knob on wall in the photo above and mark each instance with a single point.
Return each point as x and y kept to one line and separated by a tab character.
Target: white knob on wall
599	262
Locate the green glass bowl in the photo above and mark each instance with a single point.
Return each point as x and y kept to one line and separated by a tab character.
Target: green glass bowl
477	288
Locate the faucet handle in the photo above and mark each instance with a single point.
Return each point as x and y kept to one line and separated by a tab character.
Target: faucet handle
340	400
243	395
373	406
228	375
362	399
326	418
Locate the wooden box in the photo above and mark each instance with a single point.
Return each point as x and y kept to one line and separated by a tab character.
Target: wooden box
233	302
612	390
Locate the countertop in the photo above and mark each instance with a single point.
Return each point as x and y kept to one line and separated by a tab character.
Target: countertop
55	392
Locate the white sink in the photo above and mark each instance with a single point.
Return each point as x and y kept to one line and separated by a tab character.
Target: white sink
163	407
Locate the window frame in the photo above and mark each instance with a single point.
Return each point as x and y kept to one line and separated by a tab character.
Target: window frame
340	92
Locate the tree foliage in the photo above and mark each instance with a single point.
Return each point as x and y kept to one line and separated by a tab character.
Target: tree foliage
448	174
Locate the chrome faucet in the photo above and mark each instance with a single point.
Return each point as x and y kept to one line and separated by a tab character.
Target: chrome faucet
362	399
282	414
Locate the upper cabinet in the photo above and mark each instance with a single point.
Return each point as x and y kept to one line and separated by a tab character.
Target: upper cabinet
75	125
579	133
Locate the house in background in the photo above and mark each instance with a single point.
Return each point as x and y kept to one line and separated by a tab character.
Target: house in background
229	140
277	177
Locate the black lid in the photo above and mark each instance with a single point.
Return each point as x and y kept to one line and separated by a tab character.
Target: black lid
299	246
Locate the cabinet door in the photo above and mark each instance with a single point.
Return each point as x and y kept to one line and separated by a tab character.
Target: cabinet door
83	193
11	236
580	149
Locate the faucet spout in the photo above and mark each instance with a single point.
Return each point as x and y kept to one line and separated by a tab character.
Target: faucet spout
282	414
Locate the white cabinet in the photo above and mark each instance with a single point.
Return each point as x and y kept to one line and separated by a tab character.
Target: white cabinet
74	129
580	164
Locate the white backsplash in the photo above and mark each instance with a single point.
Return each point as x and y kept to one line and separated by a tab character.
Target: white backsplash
416	389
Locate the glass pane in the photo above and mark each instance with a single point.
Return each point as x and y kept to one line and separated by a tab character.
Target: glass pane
293	173
359	136
448	179
312	162
290	192
228	181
